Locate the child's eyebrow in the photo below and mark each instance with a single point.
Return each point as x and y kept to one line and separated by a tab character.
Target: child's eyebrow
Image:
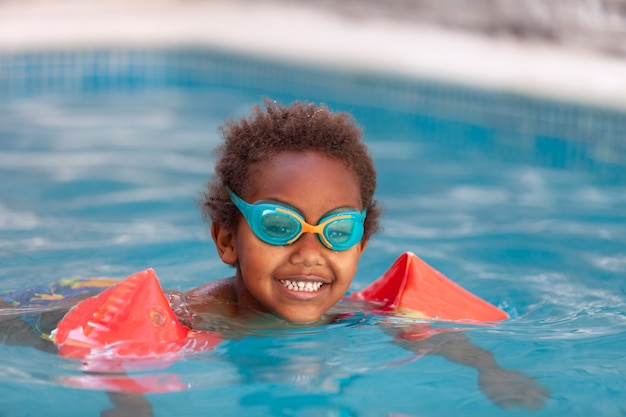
342	209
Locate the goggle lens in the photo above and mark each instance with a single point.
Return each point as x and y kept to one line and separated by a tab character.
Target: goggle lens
340	232
278	225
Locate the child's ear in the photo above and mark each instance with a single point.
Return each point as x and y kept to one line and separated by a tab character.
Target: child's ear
224	243
362	246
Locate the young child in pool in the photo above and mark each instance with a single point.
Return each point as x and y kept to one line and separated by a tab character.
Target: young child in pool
291	209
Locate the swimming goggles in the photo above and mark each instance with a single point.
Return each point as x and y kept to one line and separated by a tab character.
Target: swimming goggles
280	225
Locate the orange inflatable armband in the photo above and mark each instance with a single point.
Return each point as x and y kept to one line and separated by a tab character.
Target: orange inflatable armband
411	286
132	319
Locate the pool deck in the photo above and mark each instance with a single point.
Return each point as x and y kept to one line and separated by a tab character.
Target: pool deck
318	36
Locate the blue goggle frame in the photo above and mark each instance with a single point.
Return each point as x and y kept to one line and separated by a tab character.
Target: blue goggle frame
280	225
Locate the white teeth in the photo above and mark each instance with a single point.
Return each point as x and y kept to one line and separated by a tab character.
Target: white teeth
306	286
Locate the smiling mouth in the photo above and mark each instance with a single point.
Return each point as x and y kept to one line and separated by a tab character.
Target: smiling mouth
304	286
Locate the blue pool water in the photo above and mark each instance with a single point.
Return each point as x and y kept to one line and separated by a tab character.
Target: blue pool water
521	201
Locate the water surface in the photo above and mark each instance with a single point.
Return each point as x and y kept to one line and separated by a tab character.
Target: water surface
526	215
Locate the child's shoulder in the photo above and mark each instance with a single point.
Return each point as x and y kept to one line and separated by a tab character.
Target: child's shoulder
221	289
217	297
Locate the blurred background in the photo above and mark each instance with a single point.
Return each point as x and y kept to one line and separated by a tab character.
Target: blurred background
571	49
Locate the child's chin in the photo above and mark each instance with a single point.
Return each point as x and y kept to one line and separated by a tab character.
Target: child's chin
308	320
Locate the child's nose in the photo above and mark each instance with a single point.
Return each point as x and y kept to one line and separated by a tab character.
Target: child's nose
308	250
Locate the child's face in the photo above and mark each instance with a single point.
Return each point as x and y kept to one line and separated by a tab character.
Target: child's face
314	184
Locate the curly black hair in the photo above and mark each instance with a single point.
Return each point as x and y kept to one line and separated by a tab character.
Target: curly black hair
278	128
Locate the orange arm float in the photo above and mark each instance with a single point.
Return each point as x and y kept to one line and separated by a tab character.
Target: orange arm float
132	319
413	287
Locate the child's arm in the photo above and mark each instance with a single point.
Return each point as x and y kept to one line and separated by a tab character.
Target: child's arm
28	316
412	285
128	405
15	330
507	388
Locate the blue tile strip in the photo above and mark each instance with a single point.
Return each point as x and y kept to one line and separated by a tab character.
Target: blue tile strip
516	117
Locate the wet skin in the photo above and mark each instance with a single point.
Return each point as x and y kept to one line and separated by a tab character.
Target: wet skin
315	184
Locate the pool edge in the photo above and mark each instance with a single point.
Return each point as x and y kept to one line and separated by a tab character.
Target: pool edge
325	40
